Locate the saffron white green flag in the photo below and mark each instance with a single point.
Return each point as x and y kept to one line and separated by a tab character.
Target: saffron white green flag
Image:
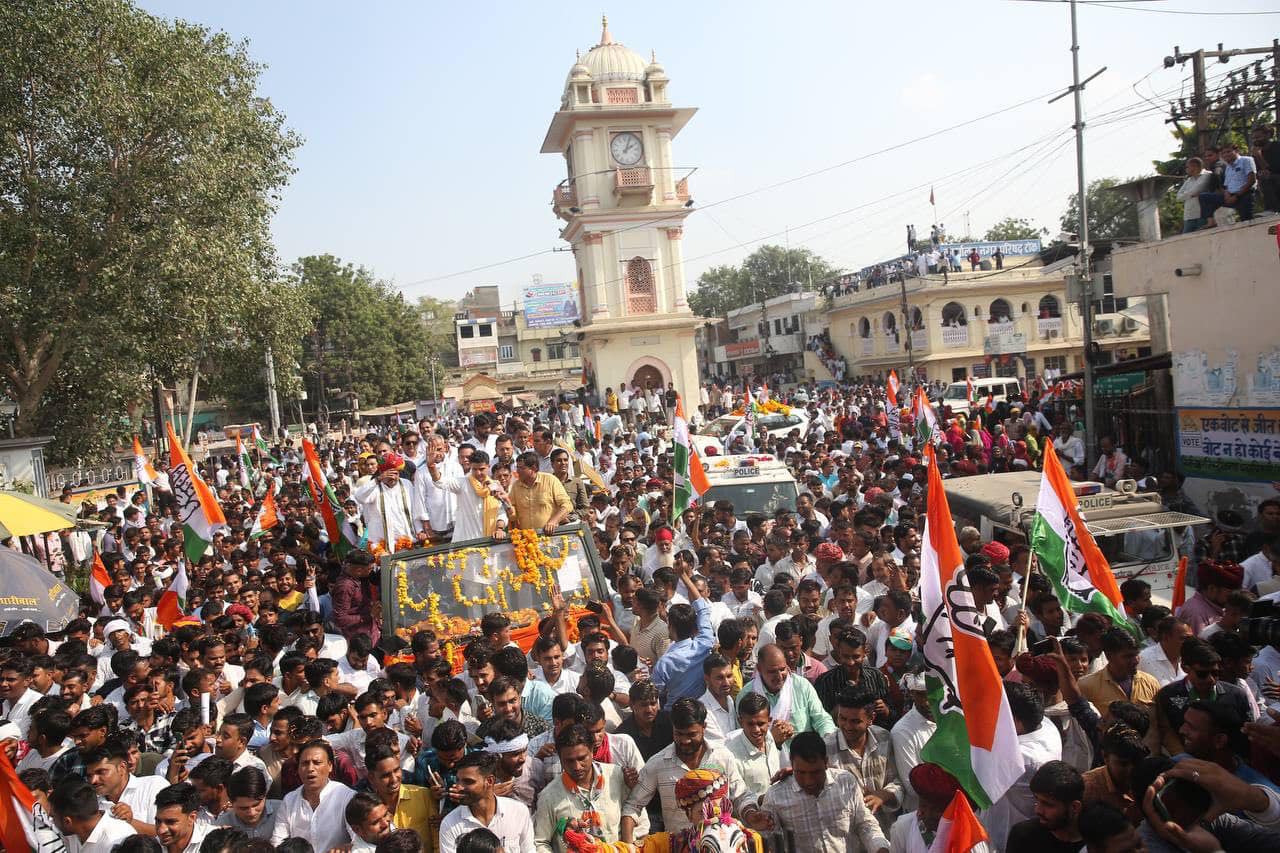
246	466
975	740
926	421
267	517
198	509
1066	552
690	480
959	831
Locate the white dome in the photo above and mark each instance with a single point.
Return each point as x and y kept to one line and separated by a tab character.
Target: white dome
610	60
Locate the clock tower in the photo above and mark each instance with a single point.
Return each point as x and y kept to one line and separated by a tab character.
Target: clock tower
624	203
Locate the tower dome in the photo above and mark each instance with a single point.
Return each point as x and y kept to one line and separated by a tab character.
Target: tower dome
611	60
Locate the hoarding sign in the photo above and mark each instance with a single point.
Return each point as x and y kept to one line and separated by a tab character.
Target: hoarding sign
548	305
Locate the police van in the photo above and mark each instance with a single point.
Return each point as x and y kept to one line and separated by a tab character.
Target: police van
757	482
1138	536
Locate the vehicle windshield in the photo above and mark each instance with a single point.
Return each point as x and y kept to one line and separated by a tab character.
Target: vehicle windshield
1137	547
957	391
772	422
754	497
720	427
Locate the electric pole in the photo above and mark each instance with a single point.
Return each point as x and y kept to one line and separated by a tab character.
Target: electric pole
273	402
1238	94
1082	260
906	325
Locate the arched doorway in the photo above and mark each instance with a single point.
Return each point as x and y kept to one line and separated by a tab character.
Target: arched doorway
647	375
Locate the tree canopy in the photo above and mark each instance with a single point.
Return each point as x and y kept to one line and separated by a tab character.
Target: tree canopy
366	338
139	167
1012	228
767	272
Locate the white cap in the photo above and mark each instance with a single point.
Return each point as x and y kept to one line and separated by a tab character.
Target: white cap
116	625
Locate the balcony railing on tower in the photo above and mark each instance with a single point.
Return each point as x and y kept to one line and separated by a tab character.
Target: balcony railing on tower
634	181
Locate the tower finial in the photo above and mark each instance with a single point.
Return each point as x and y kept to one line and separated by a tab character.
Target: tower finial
605	38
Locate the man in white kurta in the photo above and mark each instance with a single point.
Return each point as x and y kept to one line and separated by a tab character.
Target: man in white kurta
470	491
387	504
437	507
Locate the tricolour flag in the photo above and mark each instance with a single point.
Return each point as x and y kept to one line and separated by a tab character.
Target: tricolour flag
198	509
891	395
142	467
690	480
246	467
16	804
99	580
975	740
266	518
1066	552
325	499
926	421
959	830
261	444
173	602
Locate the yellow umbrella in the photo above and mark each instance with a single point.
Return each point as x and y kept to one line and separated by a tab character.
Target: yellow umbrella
26	515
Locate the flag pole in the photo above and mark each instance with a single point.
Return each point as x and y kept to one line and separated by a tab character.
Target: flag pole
1021	645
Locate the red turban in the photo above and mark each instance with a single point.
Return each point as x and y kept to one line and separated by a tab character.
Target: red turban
933	783
997	553
828	551
873	493
391	462
1221	573
1038	669
664	534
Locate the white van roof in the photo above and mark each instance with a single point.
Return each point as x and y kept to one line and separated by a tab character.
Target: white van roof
743	465
1106	511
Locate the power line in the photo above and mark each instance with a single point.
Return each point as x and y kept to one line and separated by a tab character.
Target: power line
680	214
1178	11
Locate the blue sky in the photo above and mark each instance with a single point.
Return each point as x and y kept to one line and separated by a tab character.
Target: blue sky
422	122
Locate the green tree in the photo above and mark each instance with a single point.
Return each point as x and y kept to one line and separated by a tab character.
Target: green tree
437	317
1011	228
366	338
1111	215
767	272
139	168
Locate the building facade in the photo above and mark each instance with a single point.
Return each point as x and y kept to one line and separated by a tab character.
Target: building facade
1014	322
765	338
624	203
1224	355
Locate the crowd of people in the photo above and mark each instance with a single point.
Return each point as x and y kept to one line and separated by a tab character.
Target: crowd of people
741	670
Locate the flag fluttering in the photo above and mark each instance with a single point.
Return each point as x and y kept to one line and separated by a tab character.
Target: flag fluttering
142	467
893	413
1066	552
959	830
266	518
99	580
16	803
198	509
1180	584
690	480
975	740
326	500
173	603
925	419
246	466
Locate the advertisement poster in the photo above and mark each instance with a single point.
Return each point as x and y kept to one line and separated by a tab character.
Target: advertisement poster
1230	444
547	305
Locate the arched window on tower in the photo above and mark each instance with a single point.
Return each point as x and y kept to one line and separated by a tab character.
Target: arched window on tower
642	296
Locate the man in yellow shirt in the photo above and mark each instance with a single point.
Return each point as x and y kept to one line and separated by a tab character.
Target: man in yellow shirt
1120	679
410	806
538	500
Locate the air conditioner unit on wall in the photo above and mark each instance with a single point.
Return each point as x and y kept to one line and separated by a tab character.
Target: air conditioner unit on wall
1129	324
1105	326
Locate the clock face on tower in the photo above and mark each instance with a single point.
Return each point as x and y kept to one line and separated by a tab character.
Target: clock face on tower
626	149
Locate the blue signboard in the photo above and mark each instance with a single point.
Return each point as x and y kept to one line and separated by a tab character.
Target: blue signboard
547	305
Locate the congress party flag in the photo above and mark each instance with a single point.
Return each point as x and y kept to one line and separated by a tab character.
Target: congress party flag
690	480
1066	552
959	830
173	602
198	509
17	832
266	518
142	467
893	413
325	499
246	467
975	740
926	421
99	580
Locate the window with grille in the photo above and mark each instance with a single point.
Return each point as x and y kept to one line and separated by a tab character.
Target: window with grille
621	95
1056	363
555	351
642	296
506	352
468	331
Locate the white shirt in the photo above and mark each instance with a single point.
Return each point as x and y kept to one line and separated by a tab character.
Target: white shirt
756	767
720	722
139	794
324	826
1154	662
1256	570
468	519
1018	803
566	683
107	834
742	609
34	760
348	674
395	502
766	630
909	735
510	823
437	506
19	713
